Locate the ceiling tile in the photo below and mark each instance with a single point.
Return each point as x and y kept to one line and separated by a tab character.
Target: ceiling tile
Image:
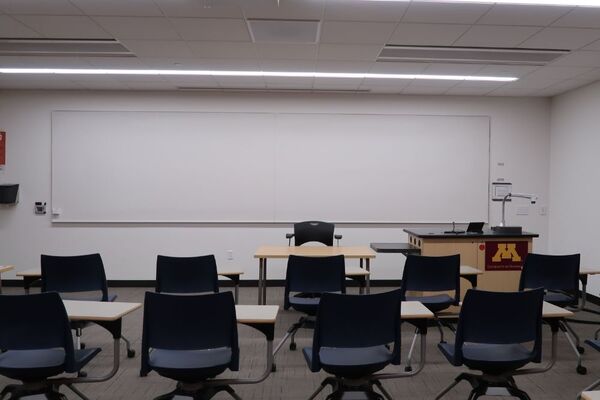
287	51
580	17
504	14
360	67
158	48
11	28
452	69
595	46
287	65
424	90
39	7
398	68
233	64
241	83
558	73
175	62
292	82
192	81
593	75
427	34
348	52
124	8
449	13
222	49
360	10
565	86
562	38
516	71
42	62
201	8
79	27
138	27
356	32
37	82
427	83
468	91
286	9
495	36
579	59
391	84
150	86
116	62
514	92
337	84
212	29
531	83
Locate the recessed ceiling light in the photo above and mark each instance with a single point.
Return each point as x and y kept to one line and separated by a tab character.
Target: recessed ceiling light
263	74
572	3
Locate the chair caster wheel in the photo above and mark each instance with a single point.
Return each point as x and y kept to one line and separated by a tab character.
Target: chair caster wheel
274	368
82	374
130	353
292	346
82	346
143	374
580	349
407	369
581	370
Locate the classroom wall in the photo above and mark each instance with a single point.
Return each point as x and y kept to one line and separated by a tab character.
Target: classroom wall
520	149
575	177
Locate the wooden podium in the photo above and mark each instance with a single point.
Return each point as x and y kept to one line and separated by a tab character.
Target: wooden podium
499	256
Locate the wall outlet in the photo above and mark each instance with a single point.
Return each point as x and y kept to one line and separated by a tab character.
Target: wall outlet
230	255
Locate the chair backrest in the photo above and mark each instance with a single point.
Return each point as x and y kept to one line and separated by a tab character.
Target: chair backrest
194	322
65	274
551	272
429	273
186	274
353	321
315	275
501	318
313	231
36	322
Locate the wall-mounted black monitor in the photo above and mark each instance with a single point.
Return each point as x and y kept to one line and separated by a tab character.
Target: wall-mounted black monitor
9	193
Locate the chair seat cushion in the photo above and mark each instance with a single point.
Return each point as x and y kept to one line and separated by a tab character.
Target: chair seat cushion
351	362
32	364
560	299
190	365
305	304
489	358
434	303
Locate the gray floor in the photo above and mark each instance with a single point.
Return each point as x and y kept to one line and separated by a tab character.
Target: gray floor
293	380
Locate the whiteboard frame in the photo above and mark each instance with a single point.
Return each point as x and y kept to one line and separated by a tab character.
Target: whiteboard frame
58	221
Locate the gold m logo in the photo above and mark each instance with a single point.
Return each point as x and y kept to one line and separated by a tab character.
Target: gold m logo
506	251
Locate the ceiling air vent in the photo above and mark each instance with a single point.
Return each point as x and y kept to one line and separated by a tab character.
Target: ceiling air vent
284	30
64	47
469	55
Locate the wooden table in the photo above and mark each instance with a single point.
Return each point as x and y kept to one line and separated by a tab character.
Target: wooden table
106	314
32	275
363	253
4	268
593	395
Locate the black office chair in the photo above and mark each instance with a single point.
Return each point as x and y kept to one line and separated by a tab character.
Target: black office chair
498	333
36	343
186	274
559	276
351	342
307	278
313	231
78	278
190	339
431	274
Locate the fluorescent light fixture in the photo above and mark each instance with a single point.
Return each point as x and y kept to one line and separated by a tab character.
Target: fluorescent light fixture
572	3
260	74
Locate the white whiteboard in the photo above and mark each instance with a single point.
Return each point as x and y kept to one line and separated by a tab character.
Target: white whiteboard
267	167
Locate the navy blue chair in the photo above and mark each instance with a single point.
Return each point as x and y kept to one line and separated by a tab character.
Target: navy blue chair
313	231
36	343
307	278
78	278
559	276
186	274
352	342
498	333
431	274
190	339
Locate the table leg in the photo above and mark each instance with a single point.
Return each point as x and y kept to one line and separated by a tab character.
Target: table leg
368	277
260	268
264	295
